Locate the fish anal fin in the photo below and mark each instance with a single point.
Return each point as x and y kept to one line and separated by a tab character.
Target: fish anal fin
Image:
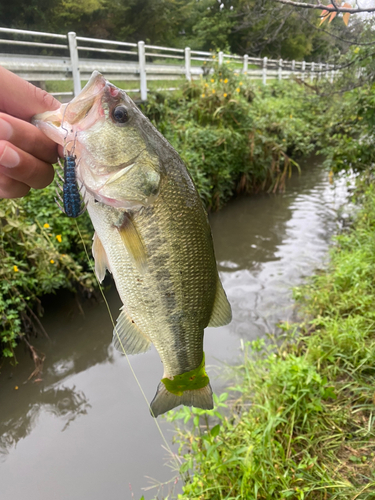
133	242
128	337
165	400
221	313
100	257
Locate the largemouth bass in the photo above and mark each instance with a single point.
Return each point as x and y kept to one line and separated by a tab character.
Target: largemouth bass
151	233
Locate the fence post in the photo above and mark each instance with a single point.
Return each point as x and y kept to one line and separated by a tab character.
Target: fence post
280	69
264	70
293	65
72	40
142	70
303	70
332	73
312	72
187	63
327	67
245	63
320	70
221	58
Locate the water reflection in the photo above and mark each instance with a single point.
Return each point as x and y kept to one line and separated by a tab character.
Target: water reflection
265	245
62	402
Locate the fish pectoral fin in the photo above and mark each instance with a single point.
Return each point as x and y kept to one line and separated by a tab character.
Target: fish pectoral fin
221	313
132	242
165	400
128	337
100	257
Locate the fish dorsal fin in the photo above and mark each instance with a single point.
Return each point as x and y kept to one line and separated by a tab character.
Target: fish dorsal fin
128	337
132	242
221	313
100	257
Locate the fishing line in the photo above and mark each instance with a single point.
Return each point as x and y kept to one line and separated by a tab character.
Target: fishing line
178	463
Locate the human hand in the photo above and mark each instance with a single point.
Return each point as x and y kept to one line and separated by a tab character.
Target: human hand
26	154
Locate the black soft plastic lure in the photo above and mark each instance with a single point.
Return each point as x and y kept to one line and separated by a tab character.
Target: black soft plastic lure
72	203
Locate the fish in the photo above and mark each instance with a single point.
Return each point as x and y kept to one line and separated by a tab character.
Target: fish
151	232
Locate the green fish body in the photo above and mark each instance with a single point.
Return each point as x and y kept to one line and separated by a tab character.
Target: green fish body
151	233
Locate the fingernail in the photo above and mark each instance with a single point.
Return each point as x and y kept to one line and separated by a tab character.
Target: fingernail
9	158
6	130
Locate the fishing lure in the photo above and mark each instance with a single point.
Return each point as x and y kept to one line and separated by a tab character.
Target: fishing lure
72	204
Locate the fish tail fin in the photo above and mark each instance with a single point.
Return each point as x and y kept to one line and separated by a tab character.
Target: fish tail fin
165	400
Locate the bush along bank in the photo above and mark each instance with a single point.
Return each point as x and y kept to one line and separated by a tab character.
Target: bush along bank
302	424
40	252
235	135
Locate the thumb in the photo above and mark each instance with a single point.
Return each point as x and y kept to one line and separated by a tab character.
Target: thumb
21	99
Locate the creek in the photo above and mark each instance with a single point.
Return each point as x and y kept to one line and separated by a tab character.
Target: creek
84	431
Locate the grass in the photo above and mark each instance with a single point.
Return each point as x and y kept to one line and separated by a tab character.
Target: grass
298	423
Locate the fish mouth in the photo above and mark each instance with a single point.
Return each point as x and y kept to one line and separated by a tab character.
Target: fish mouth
61	124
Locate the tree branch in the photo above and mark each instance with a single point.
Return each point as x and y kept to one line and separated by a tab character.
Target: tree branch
321	6
350	42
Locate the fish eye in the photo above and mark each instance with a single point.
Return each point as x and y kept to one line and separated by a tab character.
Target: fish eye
120	114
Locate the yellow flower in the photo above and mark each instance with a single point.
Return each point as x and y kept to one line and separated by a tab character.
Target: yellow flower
227	62
15	269
52	261
46	226
241	83
213	91
225	95
203	95
237	89
291	116
58	237
213	57
245	72
212	80
16	388
221	79
206	84
226	80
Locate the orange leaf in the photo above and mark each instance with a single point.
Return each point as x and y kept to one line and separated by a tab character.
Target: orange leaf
333	15
345	18
347	5
324	15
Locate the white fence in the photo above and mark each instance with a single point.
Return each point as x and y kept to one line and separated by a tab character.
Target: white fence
137	61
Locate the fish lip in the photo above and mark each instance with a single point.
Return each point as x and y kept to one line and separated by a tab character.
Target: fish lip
56	118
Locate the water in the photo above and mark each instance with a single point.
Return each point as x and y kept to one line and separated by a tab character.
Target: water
84	431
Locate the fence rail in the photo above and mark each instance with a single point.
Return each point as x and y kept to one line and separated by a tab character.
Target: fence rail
139	61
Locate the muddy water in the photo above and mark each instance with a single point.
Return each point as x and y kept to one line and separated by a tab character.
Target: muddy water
84	431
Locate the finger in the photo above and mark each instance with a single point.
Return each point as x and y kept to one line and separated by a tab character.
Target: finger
9	188
22	99
23	167
27	137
